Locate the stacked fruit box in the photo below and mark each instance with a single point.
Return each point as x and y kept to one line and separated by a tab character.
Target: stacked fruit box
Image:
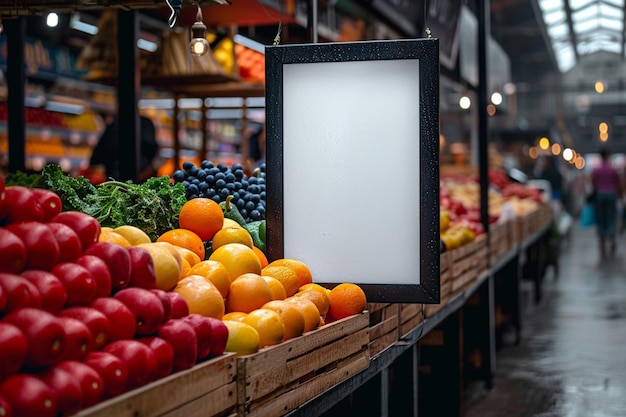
411	315
466	263
445	285
384	322
498	240
279	378
209	388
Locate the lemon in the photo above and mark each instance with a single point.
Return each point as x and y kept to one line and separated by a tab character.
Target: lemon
230	223
173	250
269	324
243	339
133	234
166	266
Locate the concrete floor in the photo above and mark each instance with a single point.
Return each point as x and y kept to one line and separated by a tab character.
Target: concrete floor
571	361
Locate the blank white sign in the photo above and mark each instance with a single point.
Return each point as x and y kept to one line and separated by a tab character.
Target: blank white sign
351	164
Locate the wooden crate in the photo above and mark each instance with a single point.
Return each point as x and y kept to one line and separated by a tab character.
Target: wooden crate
207	389
512	235
277	379
384	322
466	262
411	316
498	241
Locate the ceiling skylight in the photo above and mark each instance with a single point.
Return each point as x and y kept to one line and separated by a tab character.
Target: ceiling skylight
582	27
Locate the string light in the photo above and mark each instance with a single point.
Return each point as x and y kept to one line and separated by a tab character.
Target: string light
198	45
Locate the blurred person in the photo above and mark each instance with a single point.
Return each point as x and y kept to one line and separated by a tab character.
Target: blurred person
105	152
607	190
547	169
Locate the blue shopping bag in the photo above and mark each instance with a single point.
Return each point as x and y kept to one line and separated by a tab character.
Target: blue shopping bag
587	216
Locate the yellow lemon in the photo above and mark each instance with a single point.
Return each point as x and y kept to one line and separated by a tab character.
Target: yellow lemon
243	339
230	223
269	324
133	234
167	268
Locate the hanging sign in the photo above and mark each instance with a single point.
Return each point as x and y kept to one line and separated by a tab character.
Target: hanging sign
353	164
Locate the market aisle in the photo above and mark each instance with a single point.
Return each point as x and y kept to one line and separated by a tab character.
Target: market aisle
572	357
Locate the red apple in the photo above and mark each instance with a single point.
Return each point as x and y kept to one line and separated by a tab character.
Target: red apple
164	353
167	303
79	341
117	259
51	289
70	247
219	336
183	339
90	381
42	249
20	205
142	272
12	252
180	308
100	272
44	334
121	319
79	284
140	360
13	349
67	389
29	396
145	306
203	329
19	292
86	227
111	369
96	322
48	201
5	406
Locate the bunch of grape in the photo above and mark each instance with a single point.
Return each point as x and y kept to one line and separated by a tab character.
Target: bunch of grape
218	181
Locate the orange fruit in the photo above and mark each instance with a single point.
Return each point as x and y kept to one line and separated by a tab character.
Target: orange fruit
108	235
292	317
184	268
243	339
276	287
214	272
202	297
309	311
185	239
166	266
269	325
248	292
190	256
313	287
319	298
231	235
285	275
238	259
300	268
346	299
202	216
234	316
261	255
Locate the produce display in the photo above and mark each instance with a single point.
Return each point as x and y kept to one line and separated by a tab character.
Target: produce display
92	307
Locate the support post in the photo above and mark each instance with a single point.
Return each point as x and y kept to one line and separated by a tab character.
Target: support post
16	33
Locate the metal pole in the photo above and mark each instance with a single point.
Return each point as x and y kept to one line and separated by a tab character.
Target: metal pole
483	123
312	21
129	132
16	33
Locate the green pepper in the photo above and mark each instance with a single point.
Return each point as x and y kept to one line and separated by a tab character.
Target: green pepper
232	212
257	230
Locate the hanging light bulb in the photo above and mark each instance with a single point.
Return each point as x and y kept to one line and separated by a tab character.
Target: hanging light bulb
198	45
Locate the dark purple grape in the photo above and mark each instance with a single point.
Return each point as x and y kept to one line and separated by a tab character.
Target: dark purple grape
179	175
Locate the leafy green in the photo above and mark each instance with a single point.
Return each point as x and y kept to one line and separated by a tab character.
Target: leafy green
72	191
22	179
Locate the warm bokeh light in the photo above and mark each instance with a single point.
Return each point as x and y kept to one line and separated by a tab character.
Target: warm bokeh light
496	98
491	109
556	149
544	143
568	154
533	152
579	162
604	136
603	127
465	102
599	87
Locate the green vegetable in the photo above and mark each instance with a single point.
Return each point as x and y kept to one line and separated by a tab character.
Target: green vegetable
72	191
231	211
257	230
22	179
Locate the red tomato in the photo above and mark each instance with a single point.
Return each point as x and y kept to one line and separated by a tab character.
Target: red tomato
20	205
42	249
12	252
13	348
70	247
49	202
29	396
44	334
19	291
